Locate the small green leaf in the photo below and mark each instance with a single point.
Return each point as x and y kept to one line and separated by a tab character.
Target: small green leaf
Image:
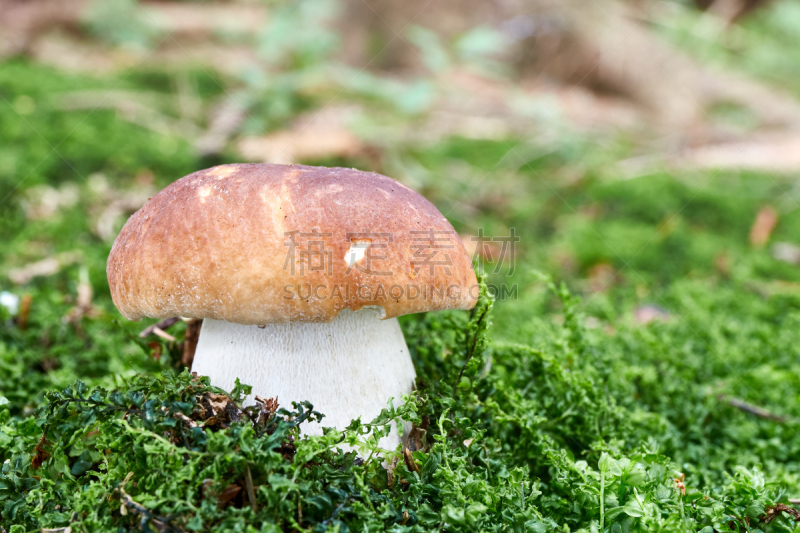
608	464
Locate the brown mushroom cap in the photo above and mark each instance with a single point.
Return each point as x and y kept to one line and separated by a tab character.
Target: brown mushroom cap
257	244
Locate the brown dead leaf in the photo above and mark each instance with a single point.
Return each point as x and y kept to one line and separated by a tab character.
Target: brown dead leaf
786	252
771	153
317	135
217	411
765	222
266	409
22	22
216	402
43	201
207	20
409	460
188	422
291	146
40	455
45	267
646	314
417	437
228	493
156	350
131	106
390	470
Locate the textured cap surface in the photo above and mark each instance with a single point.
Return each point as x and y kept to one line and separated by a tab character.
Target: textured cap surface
257	244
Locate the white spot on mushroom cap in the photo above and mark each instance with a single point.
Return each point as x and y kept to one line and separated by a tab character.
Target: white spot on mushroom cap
203	193
357	250
222	171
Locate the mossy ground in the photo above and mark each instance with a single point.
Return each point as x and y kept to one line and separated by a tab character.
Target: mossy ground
574	415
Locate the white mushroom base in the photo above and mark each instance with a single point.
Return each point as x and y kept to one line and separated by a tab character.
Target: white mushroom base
347	368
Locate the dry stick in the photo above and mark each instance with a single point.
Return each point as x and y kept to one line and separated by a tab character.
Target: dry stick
750	408
251	492
160	523
299	512
24	311
776	510
190	341
163	334
164	324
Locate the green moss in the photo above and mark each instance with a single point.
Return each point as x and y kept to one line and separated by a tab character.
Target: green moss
566	397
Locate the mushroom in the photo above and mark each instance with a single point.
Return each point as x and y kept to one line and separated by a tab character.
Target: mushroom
300	274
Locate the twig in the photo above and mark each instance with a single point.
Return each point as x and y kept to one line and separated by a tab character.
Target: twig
185	419
128	477
163	325
158	332
190	341
776	510
251	492
133	111
299	512
752	409
45	267
160	523
24	311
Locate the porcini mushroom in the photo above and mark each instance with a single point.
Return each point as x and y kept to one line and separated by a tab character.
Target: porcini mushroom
299	274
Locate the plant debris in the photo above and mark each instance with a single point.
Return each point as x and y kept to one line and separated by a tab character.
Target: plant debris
774	511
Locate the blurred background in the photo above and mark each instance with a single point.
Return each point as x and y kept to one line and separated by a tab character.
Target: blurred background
645	152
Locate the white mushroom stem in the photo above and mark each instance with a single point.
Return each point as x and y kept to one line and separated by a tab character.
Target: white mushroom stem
347	368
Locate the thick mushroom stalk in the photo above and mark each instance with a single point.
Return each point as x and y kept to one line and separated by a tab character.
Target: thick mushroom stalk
347	368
